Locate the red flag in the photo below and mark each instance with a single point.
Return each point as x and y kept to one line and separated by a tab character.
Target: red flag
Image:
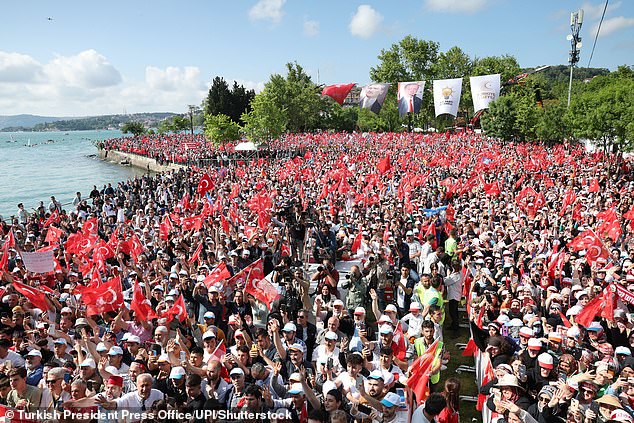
165	227
107	297
630	214
470	349
10	241
357	241
52	235
224	223
398	342
594	185
141	306
196	254
178	310
53	218
569	199
261	289
492	189
90	228
285	250
602	305
219	274
34	295
565	320
205	184
338	92
420	372
384	165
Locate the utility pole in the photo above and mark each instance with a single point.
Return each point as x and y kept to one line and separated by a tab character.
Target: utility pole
576	19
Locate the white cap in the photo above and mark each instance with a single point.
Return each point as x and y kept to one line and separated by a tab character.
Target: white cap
209	334
89	362
415	306
115	350
177	372
534	344
331	336
386	329
391	307
112	370
134	338
66	310
209	315
290	327
34	353
101	347
359	310
545	360
337	303
236	371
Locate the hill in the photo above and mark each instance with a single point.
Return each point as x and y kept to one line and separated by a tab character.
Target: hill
26	121
90	123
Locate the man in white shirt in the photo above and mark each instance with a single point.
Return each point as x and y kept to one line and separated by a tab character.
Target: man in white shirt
8	355
453	282
136	403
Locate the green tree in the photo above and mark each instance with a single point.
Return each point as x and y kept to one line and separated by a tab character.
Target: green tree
133	127
500	119
220	129
180	124
232	102
266	120
552	124
410	59
337	118
604	111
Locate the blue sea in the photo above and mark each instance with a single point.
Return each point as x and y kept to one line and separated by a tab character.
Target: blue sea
56	163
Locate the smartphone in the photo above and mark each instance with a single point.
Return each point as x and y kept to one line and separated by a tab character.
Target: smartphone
364	409
330	364
309	373
66	377
401	393
154	349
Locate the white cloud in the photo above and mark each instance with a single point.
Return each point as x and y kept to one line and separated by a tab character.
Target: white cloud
257	86
365	22
173	78
87	69
15	67
267	10
311	28
594	11
468	6
612	25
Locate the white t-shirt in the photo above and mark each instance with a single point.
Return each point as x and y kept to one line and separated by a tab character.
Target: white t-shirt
132	402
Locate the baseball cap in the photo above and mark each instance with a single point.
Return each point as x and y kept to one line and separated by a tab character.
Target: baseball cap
60	341
390	307
534	344
296	347
415	306
209	315
89	362
337	303
134	338
209	334
331	336
236	371
101	347
177	373
545	360
376	374
290	327
386	329
296	388
34	353
115	350
359	310
391	400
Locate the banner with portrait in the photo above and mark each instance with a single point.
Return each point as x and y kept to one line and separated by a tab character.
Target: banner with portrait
484	89
372	97
447	94
410	97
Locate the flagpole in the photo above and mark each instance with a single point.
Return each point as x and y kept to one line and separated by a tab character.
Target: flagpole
217	346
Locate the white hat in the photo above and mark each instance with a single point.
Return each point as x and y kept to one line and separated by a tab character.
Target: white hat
391	400
534	344
209	334
134	338
66	310
290	327
415	306
545	360
359	310
101	347
209	315
89	362
386	329
331	336
391	307
115	350
34	353
337	303
526	332
177	372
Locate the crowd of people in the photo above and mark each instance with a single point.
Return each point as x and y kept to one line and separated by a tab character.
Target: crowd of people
316	289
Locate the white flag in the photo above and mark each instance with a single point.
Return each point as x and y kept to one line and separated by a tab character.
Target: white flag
484	90
38	262
447	96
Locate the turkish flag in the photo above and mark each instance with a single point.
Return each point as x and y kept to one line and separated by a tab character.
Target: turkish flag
398	342
196	254
492	189
218	275
261	289
420	372
630	214
205	184
178	310
224	223
338	92
141	306
90	228
593	245
107	297
602	305
132	246
357	241
569	199
53	218
10	241
77	243
594	185
53	235
470	349
384	165
34	295
165	227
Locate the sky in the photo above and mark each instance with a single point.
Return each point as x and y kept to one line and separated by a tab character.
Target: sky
72	58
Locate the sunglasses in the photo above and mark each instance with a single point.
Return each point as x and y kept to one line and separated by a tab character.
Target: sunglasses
52	381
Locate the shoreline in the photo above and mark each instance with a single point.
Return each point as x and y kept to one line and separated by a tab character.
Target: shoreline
141	162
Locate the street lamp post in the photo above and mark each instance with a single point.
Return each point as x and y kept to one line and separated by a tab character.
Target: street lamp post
576	19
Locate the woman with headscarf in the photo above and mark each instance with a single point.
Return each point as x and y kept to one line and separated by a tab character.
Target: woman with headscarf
508	389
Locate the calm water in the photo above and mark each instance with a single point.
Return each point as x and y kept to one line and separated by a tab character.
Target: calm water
60	168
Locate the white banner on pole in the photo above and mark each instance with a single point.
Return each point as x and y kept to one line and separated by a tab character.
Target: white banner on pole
38	262
447	96
484	89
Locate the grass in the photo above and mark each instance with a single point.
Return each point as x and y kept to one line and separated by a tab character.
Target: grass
467	380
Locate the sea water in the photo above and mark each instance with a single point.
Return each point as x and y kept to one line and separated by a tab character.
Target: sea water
55	163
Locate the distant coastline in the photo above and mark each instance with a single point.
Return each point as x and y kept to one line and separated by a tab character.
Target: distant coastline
31	123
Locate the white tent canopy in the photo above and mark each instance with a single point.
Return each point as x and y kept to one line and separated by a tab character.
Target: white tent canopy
246	146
